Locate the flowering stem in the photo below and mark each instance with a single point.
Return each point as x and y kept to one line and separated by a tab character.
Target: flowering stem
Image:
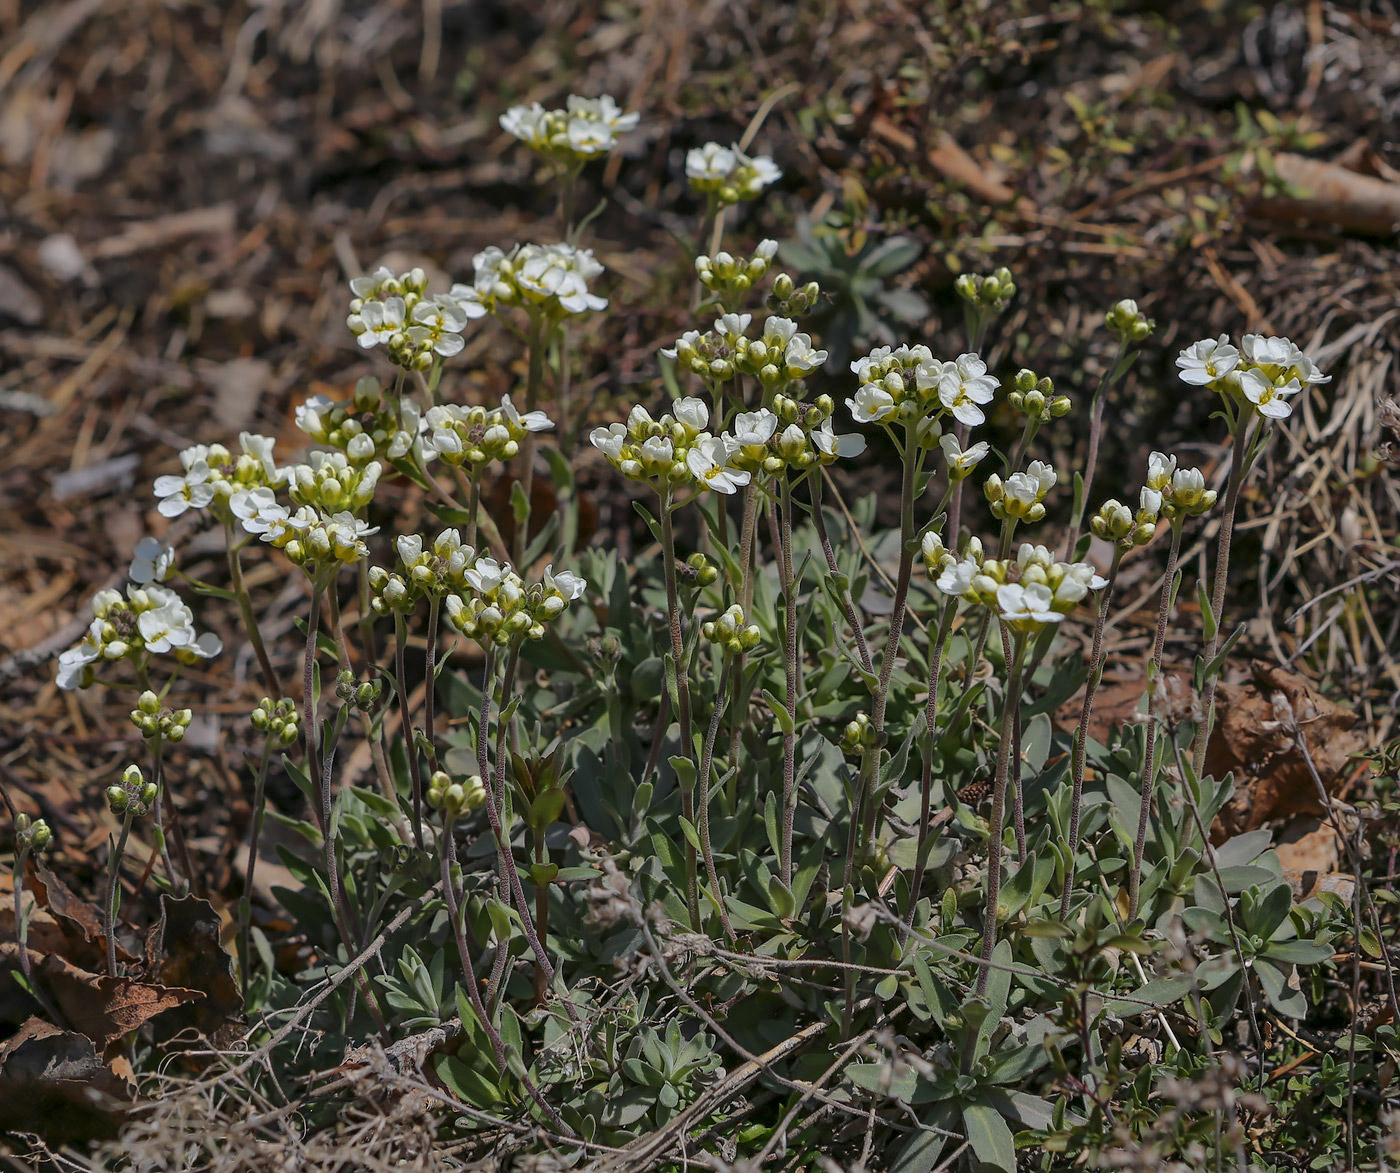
707	757
1152	755
955	505
494	801
1110	375
308	688
415	773
248	614
847	603
21	925
784	543
1239	469
1081	736
367	638
245	904
109	905
935	665
870	761
1018	801
430	681
687	747
994	845
454	912
535	349
473	507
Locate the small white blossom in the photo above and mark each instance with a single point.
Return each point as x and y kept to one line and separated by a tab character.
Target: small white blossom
1207	360
709	464
153	561
1269	398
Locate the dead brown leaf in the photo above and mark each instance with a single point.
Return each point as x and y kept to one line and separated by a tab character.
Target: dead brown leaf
55	1083
105	1008
1272	778
184	952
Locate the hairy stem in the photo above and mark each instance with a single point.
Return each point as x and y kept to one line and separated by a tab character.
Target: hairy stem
1081	735
687	747
784	543
847	603
249	616
935	664
707	757
535	345
1151	756
245	904
415	773
994	845
109	905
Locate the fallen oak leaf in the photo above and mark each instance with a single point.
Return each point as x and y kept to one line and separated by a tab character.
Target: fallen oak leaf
79	920
105	1008
183	951
53	1082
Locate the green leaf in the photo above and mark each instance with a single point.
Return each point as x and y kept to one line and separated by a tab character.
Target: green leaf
770	822
990	1138
1160	992
542	874
1207	615
780	713
692	836
519	504
781	899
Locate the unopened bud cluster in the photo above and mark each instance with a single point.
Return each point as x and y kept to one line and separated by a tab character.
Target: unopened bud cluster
1129	323
154	720
732	632
1036	398
790	300
329	483
362	694
278	719
454	798
133	794
989	292
793	435
731	277
31	836
698	570
859	734
1117	523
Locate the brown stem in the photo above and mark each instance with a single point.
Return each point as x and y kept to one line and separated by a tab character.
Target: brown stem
1151	756
1082	732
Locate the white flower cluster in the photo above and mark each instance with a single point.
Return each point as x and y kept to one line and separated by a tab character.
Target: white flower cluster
585	129
212	475
672	451
423	570
1028	594
908	385
732	277
794	435
1182	490
782	354
366	426
728	173
497	607
308	536
394	311
148	620
552	278
1020	497
329	483
475	436
1262	371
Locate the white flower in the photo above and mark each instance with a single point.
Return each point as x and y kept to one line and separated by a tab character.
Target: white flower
559	272
732	326
708	462
191	491
1207	360
963	385
828	443
962	461
1044	476
602	109
752	429
1149	504
260	449
1268	350
691	413
1078	579
440	321
566	583
1026	607
956	579
1270	400
166	627
152	562
531	421
486	574
766	251
372	285
871	404
801	356
1160	468
527	123
377	322
657	450
72	663
711	162
609	440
